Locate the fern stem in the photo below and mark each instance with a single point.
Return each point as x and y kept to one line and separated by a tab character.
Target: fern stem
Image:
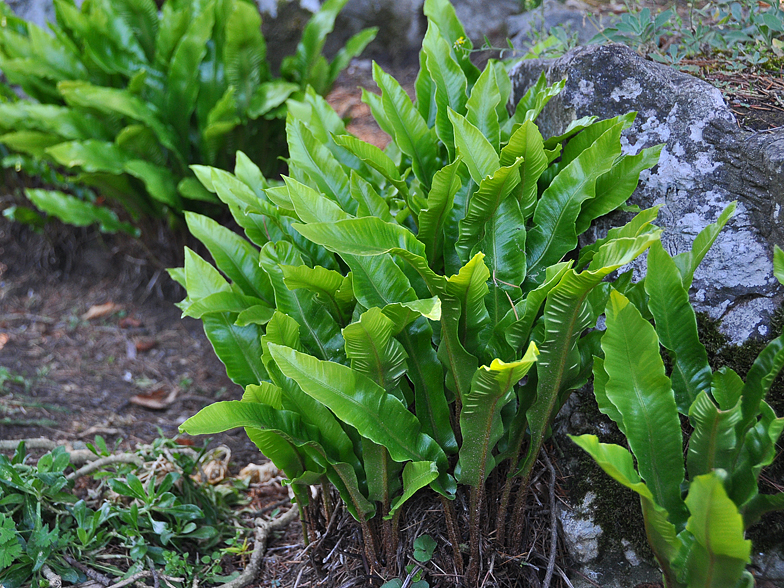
451	529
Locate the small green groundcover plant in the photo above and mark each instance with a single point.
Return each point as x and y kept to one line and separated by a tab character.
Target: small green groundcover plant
695	515
134	518
415	317
125	97
742	34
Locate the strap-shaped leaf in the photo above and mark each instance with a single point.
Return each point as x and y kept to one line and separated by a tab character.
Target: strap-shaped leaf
641	223
71	210
642	393
600	378
712	444
376	105
526	142
614	187
676	327
442	13
427	375
416	475
517	323
353	48
482	210
90	155
688	261
238	348
222	302
592	132
233	255
480	417
532	103
369	201
759	379
172	26
556	213
375	158
565	318
229	188
446	183
319	164
425	92
157	180
409	129
320	332
313	38
244	52
326	284
760	505
719	553
255	315
617	462
726	387
374	352
460	365
268	96
201	278
183	74
450	81
474	149
469	286
482	107
362	403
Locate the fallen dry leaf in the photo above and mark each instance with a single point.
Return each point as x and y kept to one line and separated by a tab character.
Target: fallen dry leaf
129	322
3	339
156	399
145	344
259	474
100	310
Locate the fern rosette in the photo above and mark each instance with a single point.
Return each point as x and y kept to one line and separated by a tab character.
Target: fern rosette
414	317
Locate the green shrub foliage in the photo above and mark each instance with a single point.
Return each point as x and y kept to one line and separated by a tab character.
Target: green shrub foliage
384	330
697	537
126	97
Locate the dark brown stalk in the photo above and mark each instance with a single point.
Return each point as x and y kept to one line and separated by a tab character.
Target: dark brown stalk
325	496
451	529
503	505
475	512
390	545
519	508
369	544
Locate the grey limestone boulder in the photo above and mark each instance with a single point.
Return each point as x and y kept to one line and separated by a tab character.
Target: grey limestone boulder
707	161
39	12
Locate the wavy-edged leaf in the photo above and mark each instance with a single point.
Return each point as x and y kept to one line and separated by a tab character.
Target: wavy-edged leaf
556	213
233	255
368	200
480	417
352	48
231	302
172	26
157	180
90	155
482	107
614	187
526	142
688	261
446	183
565	318
719	553
320	332
255	315
331	288
269	96
473	148
244	52
641	223
35	143
49	118
583	140
617	462
425	92
113	101
416	475
642	393
375	158
374	352
533	102
403	313
712	444
201	278
518	323
759	379
757	452
183	73
238	348
407	126
319	164
760	505
726	387
73	211
362	403
676	327
442	13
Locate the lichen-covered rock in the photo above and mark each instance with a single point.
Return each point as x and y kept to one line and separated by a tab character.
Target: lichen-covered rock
707	162
580	531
